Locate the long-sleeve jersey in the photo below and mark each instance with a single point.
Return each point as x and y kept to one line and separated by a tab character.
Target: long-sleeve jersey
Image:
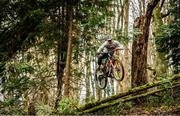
110	47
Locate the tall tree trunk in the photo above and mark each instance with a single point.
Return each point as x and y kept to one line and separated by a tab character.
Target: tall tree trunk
126	55
139	49
120	13
59	74
60	58
114	19
120	26
87	77
92	75
69	52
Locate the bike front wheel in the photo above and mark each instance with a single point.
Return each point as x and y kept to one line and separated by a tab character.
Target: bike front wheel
100	79
118	70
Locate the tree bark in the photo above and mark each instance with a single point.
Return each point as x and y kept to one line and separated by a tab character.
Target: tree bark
87	77
126	55
92	75
139	49
69	52
60	66
59	74
120	10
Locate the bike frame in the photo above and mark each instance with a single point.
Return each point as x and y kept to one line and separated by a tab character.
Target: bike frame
109	65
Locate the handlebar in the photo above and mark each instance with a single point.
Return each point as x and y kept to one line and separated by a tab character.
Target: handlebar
111	51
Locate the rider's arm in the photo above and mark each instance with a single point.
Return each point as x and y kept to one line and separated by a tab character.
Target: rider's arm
101	47
118	46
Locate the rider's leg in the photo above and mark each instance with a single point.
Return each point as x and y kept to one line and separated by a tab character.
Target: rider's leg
100	58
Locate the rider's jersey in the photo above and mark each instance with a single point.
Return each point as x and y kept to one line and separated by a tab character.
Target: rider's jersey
109	47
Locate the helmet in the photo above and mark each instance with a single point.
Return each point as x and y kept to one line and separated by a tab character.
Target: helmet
108	37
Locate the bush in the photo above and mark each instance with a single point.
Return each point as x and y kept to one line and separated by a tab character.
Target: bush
43	109
67	106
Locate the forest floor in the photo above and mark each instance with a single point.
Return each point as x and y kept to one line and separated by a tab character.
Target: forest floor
150	111
129	109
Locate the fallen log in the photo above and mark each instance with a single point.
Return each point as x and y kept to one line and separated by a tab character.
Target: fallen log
131	91
117	102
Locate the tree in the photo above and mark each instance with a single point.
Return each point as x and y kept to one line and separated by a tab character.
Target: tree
126	20
139	48
60	65
69	50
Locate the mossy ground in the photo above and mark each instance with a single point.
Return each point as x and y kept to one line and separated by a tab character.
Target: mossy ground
153	107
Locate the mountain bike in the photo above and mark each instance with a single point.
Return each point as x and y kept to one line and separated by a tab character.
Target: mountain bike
112	68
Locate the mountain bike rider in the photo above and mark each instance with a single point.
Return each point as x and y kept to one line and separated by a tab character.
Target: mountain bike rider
107	46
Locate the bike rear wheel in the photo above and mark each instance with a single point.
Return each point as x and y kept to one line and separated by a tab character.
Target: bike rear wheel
118	70
100	79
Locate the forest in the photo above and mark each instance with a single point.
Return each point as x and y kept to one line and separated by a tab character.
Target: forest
49	61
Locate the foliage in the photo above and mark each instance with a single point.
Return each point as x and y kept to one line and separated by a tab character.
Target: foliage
124	106
163	99
168	40
94	14
67	106
123	39
13	86
43	109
